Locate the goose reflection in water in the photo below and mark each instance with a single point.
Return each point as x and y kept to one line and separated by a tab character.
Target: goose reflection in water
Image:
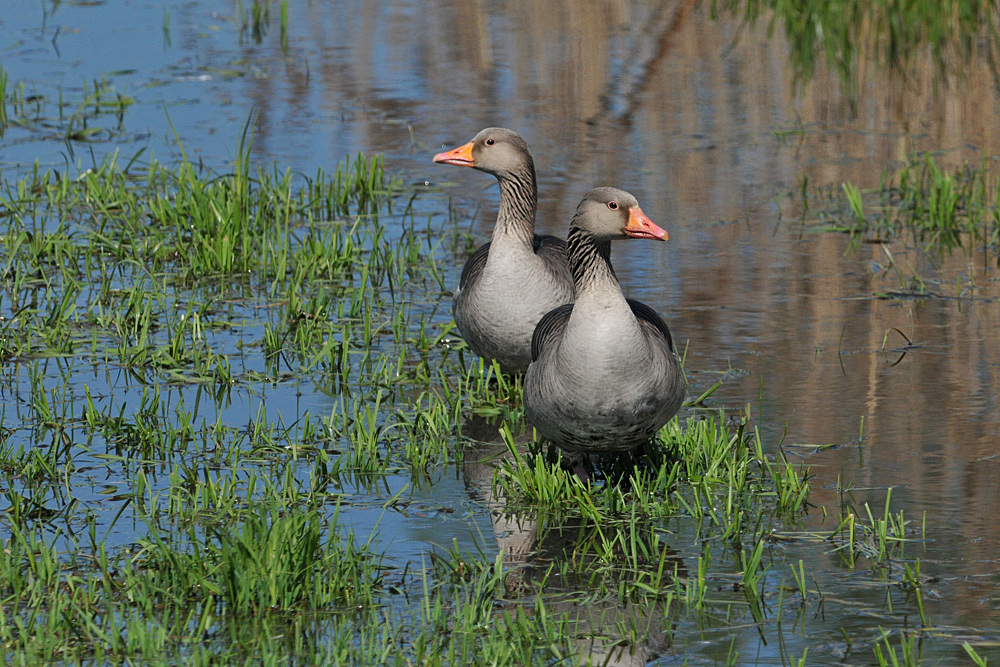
550	556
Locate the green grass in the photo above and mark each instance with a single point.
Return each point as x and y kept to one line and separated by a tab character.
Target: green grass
880	539
908	655
938	209
210	378
702	472
701	468
214	373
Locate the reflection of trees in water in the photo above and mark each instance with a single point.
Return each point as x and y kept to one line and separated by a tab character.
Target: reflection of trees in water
556	558
706	121
565	71
893	36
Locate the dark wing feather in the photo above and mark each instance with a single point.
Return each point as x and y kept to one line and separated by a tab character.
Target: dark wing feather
549	328
474	267
644	313
545	245
554	253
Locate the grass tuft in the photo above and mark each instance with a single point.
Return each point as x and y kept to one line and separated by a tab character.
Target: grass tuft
937	209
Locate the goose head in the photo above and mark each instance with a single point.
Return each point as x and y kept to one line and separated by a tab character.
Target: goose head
495	150
608	214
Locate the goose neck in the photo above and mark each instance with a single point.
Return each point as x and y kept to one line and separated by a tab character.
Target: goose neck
590	260
518	202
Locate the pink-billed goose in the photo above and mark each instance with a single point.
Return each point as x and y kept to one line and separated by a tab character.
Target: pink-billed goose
603	376
511	282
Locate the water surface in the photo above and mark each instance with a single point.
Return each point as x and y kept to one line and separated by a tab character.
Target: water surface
705	122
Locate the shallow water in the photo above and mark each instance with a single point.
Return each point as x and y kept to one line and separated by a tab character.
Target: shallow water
703	121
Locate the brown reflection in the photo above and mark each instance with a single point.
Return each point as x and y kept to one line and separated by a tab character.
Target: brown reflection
703	121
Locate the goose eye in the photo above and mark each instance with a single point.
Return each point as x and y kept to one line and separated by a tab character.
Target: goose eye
613	205
490	142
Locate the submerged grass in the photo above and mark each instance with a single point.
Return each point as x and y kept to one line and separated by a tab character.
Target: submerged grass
716	477
160	276
937	209
96	113
206	375
704	469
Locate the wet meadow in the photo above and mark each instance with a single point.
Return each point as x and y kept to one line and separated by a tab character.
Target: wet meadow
239	426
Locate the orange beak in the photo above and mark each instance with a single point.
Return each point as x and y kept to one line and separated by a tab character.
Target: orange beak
460	157
641	227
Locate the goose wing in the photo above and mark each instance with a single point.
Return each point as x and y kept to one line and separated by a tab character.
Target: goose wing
473	268
651	321
550	328
553	251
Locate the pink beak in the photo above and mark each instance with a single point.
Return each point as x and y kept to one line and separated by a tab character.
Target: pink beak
641	227
460	157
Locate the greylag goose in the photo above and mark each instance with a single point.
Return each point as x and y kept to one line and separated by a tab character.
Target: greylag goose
603	376
511	282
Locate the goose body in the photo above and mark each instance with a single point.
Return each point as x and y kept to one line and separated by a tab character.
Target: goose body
604	376
510	283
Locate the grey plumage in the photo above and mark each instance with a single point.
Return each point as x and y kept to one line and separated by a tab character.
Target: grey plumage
511	282
604	376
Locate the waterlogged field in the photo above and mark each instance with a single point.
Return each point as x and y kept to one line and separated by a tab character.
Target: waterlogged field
238	426
171	494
